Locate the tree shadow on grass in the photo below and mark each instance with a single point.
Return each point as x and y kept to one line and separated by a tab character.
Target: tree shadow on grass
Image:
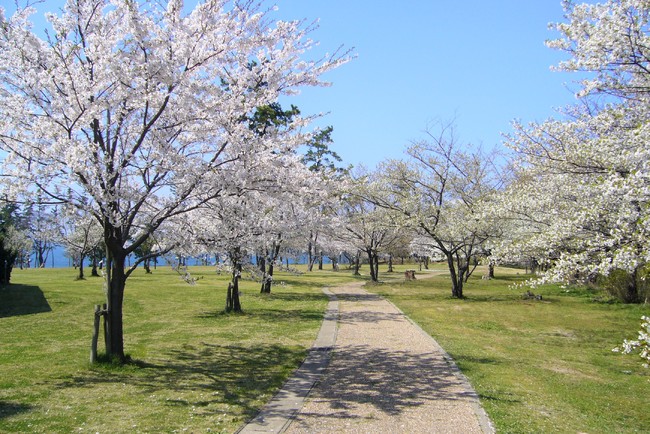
22	300
270	314
294	296
8	409
203	375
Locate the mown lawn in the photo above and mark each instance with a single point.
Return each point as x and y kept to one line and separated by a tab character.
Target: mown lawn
538	366
195	369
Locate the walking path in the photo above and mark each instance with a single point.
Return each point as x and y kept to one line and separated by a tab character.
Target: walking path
383	374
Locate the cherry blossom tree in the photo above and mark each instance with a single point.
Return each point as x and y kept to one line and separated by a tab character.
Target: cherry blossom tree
368	228
441	193
136	111
582	189
13	241
611	41
582	197
80	234
42	229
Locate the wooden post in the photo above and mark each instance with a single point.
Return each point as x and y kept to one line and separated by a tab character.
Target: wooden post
106	331
229	302
93	345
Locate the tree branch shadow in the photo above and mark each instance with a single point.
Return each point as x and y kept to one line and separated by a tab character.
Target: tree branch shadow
8	409
207	376
389	381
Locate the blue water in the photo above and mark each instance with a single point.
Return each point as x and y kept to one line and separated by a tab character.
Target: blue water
58	259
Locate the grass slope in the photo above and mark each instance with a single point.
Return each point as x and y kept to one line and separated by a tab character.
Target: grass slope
538	366
196	369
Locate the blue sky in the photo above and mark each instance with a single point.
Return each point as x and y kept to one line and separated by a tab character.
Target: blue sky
483	63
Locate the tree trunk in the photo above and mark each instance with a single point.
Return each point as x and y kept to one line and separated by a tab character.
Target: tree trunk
261	262
267	281
233	303
468	268
115	284
376	267
41	256
311	252
491	270
632	288
373	262
229	298
268	270
456	279
81	267
390	263
93	271
236	304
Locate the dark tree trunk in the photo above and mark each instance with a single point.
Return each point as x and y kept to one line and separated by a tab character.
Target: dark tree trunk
311	257
468	268
261	262
491	270
373	262
93	270
41	256
456	279
632	288
390	263
236	303
116	282
233	303
229	298
81	267
267	282
357	263
5	272
268	270
376	267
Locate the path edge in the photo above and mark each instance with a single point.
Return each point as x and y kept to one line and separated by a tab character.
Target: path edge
276	415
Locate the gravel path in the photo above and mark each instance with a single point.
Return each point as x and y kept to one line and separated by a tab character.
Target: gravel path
385	375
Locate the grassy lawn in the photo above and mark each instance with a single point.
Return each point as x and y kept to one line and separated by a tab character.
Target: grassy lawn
196	369
538	366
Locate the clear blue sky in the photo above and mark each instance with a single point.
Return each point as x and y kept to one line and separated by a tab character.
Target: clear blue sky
481	62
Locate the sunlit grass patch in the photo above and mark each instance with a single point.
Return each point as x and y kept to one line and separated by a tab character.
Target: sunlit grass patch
192	367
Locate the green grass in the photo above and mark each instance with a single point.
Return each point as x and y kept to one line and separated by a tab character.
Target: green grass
538	366
194	368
